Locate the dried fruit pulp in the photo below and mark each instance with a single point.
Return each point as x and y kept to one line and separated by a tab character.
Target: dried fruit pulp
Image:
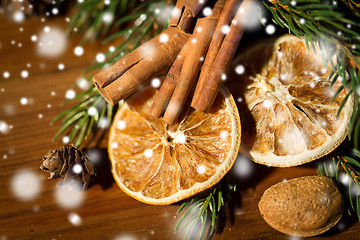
161	164
287	108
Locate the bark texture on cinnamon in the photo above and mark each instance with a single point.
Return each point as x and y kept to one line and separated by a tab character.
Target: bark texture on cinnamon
199	44
168	85
136	68
225	18
209	91
184	12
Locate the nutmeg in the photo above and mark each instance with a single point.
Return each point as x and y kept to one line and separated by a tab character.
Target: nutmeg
304	206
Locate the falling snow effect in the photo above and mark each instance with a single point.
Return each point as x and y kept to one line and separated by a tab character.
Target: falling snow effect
207	11
225	29
24	101
52	42
147	51
55	11
9	109
4	127
104	123
224	135
70	94
77	168
95	155
293	3
114	145
25	185
179	138
240	69
155	83
125	236
79	51
69	195
6	74
243	167
107	17
252	20
83	84
140	19
201	169
270	29
164	13
24	74
66	139
61	66
34	38
100	57
121	125
92	111
148	153
267	103
294	238
164	38
75	219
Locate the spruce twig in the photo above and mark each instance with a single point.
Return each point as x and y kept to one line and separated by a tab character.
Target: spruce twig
78	122
95	18
200	214
346	172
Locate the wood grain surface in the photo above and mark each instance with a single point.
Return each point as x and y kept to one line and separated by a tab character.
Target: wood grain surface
105	211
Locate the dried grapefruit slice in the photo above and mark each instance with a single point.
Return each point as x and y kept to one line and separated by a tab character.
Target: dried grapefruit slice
284	97
161	164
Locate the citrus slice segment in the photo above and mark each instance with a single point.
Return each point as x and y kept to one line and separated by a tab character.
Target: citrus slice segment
161	164
285	103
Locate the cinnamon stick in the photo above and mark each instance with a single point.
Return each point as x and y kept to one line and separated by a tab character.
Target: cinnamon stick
168	86
227	50
202	35
185	11
225	18
136	69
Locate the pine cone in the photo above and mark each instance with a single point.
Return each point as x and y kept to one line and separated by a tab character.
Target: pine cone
69	163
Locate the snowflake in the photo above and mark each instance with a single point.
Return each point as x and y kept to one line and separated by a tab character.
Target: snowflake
239	69
26	185
270	29
75	219
100	57
79	51
69	195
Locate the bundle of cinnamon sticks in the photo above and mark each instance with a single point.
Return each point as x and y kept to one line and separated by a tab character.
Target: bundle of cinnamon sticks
210	47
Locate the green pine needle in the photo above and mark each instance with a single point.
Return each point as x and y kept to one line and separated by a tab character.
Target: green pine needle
88	17
76	122
200	213
346	172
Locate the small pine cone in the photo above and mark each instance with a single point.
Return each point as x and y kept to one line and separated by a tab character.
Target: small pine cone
69	163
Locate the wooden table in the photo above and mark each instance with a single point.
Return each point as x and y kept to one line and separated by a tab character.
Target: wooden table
27	105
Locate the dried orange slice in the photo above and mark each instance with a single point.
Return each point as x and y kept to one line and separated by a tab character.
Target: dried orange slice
161	164
285	102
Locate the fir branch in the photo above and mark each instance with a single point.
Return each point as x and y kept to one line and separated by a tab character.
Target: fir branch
94	18
88	115
333	26
200	214
345	171
79	122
